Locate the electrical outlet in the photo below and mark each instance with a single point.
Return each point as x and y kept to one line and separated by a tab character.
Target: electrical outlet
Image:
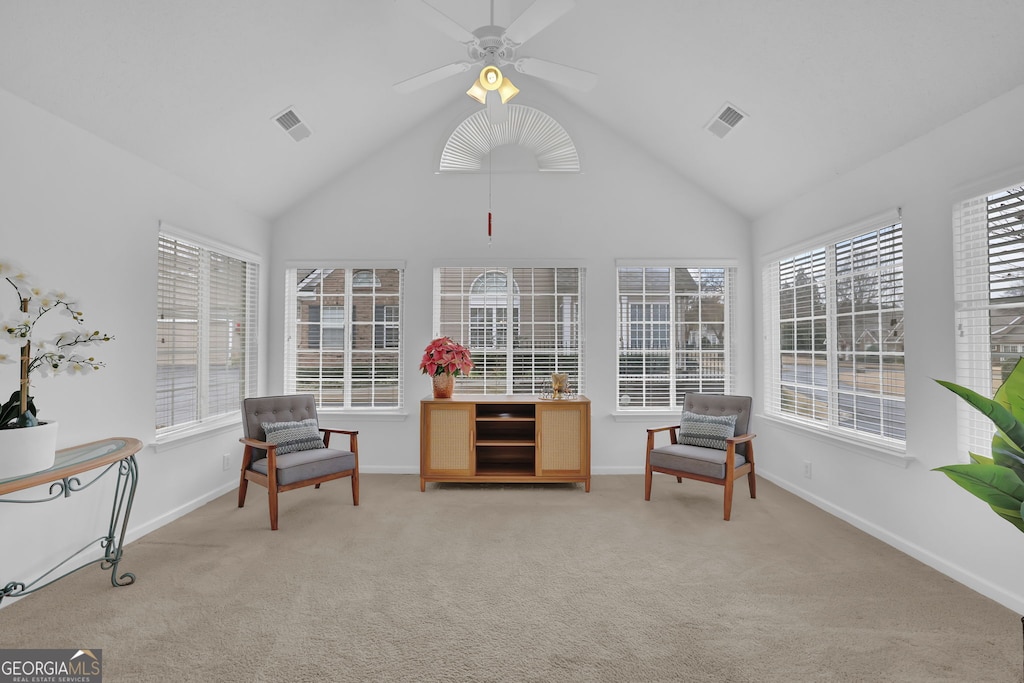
226	461
807	469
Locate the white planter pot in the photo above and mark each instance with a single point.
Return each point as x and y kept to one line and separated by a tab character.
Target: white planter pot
25	450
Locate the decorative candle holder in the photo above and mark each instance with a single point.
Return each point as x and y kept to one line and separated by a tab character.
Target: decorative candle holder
559	384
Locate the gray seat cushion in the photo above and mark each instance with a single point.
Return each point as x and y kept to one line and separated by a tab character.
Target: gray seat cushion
708	462
312	464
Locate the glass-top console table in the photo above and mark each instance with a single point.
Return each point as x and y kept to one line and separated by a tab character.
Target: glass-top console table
72	465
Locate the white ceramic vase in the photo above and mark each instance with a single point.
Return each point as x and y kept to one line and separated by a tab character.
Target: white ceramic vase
24	450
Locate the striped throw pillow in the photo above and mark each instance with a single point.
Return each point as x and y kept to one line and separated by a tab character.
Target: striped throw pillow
707	431
294	436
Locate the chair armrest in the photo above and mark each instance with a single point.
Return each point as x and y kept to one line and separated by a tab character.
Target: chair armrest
671	429
256	443
661	429
270	448
353	436
741	438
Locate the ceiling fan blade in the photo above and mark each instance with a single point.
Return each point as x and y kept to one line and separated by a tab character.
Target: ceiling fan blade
557	73
432	76
439	20
536	18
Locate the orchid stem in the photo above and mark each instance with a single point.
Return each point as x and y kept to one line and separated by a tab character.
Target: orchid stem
26	359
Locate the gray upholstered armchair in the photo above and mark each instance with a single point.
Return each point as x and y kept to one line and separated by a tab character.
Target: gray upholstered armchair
709	444
285	448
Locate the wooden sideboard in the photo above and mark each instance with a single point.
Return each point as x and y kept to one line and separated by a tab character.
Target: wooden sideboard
518	439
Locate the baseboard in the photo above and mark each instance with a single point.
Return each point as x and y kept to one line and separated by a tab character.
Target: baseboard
378	469
631	469
957	573
135	533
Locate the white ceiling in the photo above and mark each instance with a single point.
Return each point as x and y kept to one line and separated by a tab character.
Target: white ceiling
193	85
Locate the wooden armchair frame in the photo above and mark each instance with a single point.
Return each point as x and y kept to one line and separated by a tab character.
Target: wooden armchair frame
295	407
732	473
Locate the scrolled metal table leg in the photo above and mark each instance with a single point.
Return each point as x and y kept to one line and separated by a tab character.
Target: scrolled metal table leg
124	496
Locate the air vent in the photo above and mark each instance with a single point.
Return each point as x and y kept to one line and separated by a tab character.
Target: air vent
293	125
727	119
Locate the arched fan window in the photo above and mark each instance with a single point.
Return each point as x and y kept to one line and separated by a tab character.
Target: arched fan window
365	278
524	127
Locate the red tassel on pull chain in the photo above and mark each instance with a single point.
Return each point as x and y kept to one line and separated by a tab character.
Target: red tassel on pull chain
488	228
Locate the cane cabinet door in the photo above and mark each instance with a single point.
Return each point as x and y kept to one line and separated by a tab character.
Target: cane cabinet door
447	441
563	439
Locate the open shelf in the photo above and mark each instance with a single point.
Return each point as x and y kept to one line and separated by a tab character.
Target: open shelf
503	469
505	411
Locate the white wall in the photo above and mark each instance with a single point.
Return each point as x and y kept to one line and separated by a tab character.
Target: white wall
81	215
913	508
622	205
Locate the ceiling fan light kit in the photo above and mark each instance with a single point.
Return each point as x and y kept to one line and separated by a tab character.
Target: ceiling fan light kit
492	79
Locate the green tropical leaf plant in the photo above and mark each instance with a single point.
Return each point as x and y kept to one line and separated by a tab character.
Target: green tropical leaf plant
999	480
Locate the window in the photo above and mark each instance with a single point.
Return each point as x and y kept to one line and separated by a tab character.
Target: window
989	284
206	331
835	356
675	334
386	329
343	336
520	324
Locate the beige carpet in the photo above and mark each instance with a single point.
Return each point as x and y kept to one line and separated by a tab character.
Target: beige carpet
521	583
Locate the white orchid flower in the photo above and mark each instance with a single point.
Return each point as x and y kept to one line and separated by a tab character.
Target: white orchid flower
44	299
69	337
15	274
20	280
16	331
76	365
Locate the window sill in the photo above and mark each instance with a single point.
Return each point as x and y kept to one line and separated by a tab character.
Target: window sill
194	433
861	446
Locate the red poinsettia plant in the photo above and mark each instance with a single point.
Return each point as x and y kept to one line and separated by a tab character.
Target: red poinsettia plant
444	356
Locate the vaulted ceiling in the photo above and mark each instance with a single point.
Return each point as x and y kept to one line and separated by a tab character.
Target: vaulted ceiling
194	85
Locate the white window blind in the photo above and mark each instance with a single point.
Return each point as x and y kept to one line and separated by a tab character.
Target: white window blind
835	357
989	280
675	336
520	325
206	332
343	336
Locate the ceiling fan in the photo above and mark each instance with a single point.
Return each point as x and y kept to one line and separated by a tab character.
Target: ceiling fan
491	48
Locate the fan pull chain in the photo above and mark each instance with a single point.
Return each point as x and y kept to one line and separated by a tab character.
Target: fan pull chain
489	176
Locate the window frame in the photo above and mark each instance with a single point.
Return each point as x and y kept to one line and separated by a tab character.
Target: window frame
357	287
204	347
657	333
829	419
